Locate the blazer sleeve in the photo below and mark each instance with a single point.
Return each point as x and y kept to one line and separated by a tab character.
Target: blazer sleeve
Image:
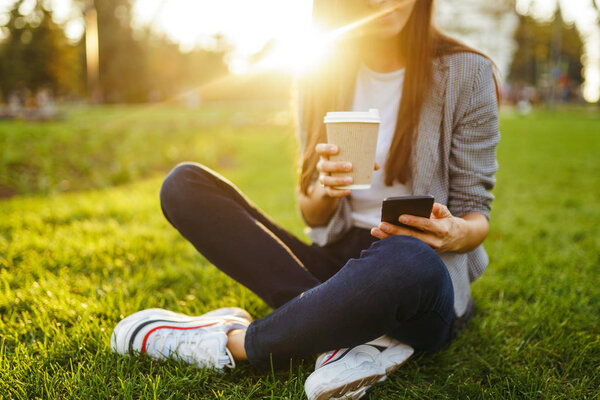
472	164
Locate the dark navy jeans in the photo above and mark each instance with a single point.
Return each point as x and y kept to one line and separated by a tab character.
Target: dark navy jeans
339	295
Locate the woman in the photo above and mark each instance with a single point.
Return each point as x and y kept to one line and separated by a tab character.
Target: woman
375	292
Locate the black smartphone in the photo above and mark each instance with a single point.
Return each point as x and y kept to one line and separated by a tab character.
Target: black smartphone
393	207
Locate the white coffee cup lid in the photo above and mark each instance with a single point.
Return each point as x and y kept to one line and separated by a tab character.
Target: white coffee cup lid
369	117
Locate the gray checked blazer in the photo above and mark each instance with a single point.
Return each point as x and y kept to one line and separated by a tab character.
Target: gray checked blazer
454	158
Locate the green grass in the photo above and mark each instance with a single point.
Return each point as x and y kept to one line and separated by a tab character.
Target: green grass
72	264
115	145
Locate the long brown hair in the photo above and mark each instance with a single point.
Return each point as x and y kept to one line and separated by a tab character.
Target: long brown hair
327	88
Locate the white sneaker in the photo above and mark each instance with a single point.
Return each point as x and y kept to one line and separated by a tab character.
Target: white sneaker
393	352
349	372
199	340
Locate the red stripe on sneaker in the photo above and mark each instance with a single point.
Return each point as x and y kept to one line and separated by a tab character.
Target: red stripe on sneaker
330	357
170	327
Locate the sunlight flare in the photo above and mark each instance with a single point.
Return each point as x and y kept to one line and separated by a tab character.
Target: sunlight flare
296	53
307	48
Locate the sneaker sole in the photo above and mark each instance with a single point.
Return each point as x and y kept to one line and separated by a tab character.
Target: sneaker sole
357	380
357	394
401	351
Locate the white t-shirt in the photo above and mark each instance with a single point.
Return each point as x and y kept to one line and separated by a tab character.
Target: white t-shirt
382	91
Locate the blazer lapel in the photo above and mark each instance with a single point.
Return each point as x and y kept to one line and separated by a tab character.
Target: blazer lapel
426	153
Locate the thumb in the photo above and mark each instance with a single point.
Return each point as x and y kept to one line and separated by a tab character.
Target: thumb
440	211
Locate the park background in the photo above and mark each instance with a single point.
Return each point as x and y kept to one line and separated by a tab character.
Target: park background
100	99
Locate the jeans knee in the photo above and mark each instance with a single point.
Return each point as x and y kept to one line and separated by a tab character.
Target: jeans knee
410	259
174	186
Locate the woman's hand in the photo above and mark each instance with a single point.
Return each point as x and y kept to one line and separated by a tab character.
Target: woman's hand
326	167
442	231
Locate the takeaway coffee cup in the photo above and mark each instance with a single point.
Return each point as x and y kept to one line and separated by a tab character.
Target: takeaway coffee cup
355	133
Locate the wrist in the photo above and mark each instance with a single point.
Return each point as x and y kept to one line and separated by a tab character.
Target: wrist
472	230
461	232
316	206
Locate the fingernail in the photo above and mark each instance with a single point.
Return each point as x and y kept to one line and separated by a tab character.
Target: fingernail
348	180
333	147
383	226
348	165
403	219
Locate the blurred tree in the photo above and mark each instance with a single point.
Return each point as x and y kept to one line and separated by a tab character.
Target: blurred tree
544	49
134	65
122	60
36	54
137	66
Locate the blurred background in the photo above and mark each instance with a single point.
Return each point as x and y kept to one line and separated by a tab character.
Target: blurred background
128	88
138	51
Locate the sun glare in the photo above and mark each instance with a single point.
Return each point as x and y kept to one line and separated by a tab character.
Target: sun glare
306	48
298	52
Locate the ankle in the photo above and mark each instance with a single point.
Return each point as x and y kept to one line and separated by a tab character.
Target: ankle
235	344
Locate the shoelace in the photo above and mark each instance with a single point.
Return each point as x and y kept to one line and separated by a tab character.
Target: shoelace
188	345
230	362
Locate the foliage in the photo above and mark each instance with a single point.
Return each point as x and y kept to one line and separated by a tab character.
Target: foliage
135	66
535	56
139	66
73	264
121	57
37	55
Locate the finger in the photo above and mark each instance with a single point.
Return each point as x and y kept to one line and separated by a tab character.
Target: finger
326	149
377	166
320	163
428	238
335	180
424	224
436	226
392	229
440	211
333	166
331	192
378	233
